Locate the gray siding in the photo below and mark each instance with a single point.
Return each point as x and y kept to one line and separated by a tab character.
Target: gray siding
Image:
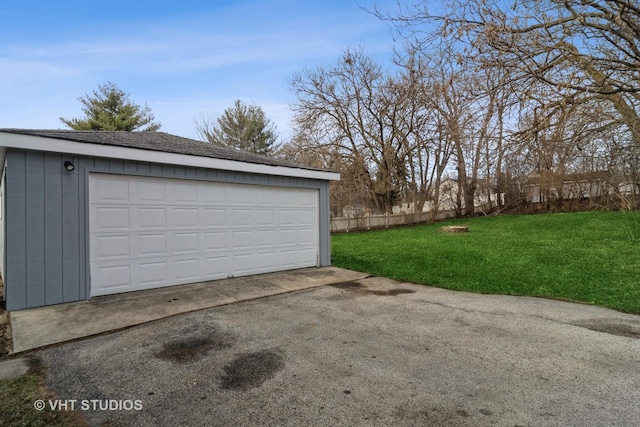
16	231
3	230
35	228
47	230
53	204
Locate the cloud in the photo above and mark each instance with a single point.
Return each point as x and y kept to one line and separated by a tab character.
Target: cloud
188	46
14	70
181	65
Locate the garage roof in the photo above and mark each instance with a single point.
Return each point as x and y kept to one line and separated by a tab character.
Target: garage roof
157	147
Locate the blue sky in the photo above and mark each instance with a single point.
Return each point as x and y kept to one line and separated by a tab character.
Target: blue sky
184	58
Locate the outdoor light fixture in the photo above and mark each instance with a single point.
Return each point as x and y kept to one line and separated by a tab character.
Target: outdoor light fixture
69	166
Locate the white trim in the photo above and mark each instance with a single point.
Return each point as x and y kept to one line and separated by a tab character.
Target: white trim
30	142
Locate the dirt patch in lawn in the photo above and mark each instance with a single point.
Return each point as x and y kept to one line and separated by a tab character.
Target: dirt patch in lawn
5	334
251	370
359	288
6	345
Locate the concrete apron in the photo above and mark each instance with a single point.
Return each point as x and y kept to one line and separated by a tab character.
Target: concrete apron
38	327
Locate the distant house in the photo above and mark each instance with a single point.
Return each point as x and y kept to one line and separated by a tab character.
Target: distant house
448	199
576	186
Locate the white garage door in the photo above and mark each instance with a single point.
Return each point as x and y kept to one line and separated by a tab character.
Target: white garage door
152	232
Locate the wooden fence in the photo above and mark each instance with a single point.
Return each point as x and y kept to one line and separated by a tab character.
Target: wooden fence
370	222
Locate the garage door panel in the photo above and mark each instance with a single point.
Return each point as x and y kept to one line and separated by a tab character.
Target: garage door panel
111	190
242	239
307	256
215	218
152	191
307	217
185	193
288	258
268	199
243	195
267	261
242	217
113	277
151	218
287	237
287	217
243	263
115	246
216	267
185	217
216	195
187	269
112	218
153	232
289	198
306	237
152	244
185	242
216	241
267	217
267	238
153	272
305	199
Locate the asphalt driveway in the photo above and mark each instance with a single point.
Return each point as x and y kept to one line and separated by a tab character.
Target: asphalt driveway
362	353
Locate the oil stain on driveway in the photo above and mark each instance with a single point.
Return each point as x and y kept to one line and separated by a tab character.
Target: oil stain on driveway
371	352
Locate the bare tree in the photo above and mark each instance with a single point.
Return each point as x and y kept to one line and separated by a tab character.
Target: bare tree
572	66
309	148
352	106
464	105
576	48
425	150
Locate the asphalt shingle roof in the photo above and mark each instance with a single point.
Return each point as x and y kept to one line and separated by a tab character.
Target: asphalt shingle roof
159	141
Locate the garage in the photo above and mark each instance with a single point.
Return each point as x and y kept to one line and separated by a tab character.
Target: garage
92	213
151	232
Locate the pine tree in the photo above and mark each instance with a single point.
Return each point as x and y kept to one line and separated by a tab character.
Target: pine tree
242	126
111	109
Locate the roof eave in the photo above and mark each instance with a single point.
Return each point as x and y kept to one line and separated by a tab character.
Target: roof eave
30	142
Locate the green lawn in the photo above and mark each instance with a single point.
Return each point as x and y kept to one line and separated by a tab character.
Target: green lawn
17	397
591	257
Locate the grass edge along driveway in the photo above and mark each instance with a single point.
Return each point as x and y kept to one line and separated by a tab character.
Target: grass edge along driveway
590	257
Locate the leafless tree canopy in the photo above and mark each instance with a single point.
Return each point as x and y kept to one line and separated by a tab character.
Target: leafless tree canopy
490	105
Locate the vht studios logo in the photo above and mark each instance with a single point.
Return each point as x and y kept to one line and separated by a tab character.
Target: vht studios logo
88	405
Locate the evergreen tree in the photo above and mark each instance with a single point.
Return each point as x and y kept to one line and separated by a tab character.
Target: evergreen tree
244	127
111	109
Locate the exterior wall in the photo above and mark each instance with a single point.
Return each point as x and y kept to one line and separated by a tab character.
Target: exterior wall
47	230
2	227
